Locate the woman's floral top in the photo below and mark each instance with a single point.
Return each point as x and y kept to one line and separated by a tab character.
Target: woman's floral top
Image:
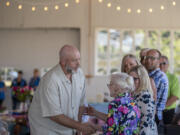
146	104
123	116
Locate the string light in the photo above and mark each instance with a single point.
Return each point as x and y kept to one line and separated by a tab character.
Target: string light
33	8
118	8
7	3
109	5
66	5
162	7
56	7
77	1
129	10
174	3
139	11
19	7
45	8
150	10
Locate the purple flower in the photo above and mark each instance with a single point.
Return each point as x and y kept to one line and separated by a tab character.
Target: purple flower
123	100
110	121
120	109
126	110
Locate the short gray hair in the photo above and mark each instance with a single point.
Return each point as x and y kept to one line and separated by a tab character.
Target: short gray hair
123	80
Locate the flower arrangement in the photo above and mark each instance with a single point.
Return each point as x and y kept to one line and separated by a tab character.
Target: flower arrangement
24	93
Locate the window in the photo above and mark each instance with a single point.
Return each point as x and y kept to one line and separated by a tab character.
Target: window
177	52
7	74
139	40
113	44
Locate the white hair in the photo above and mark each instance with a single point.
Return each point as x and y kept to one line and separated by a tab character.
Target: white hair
124	81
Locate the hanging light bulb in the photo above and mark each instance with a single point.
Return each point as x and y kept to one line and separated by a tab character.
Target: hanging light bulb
100	1
118	8
174	3
56	7
33	8
45	8
19	7
139	11
7	3
129	10
162	7
150	10
66	5
109	5
77	1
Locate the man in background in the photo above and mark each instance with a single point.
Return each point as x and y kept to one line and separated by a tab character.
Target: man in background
161	81
173	91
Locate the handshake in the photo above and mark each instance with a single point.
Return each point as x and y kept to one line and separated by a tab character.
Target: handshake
88	128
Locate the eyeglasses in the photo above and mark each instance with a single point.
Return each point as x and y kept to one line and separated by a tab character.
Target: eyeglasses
163	63
151	57
135	78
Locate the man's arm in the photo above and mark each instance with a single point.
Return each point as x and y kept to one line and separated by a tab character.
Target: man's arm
174	91
171	100
162	98
82	110
68	122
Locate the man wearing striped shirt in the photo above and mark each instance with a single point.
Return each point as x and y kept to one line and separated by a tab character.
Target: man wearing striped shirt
160	79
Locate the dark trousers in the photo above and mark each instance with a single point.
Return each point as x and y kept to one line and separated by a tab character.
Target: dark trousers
157	120
160	125
168	116
15	102
1	102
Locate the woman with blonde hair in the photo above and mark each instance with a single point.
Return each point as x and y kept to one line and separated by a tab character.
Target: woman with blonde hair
123	114
143	96
128	62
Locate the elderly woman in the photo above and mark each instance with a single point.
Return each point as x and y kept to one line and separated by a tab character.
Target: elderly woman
143	96
123	114
128	62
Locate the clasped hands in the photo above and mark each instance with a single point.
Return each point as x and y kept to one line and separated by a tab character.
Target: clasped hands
89	128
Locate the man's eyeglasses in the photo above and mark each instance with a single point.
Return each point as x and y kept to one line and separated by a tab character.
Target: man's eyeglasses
163	63
135	78
151	58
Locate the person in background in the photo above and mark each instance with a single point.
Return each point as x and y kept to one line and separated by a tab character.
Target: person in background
34	81
18	82
173	91
128	62
142	55
2	93
123	114
143	96
160	79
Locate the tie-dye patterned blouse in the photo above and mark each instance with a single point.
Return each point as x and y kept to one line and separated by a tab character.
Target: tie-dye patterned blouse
123	116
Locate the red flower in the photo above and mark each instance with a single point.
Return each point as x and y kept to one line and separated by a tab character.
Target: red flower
15	88
22	90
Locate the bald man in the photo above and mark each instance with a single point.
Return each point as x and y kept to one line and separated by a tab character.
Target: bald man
58	102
